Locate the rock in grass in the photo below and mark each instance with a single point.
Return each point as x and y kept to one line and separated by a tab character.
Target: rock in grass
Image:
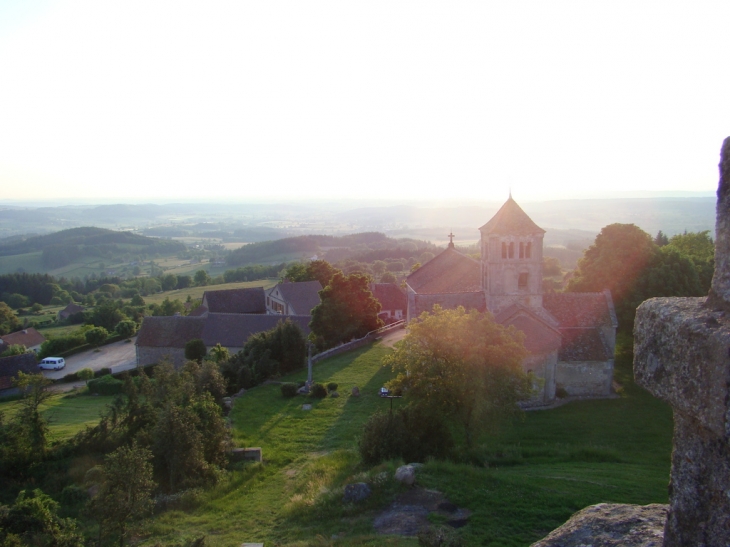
357	492
611	525
406	474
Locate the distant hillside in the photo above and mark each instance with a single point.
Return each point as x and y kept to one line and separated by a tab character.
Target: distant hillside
365	247
66	246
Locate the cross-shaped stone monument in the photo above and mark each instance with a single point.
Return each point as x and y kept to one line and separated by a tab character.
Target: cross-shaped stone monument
682	355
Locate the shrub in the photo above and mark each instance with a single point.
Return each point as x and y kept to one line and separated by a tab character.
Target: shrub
73	495
102	372
332	386
560	392
106	385
319	391
288	389
383	438
410	433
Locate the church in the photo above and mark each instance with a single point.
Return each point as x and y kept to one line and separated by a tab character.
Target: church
570	337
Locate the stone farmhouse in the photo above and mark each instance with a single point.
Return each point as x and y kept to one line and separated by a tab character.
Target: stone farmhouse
570	337
289	298
30	338
226	317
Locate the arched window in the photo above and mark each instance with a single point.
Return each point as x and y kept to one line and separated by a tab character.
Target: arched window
511	250
522	250
504	250
522	281
528	250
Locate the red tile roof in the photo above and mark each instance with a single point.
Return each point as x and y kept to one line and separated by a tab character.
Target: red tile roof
448	272
583	345
28	337
540	335
581	310
511	220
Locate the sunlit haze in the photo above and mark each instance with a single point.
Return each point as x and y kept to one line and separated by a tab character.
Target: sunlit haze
171	101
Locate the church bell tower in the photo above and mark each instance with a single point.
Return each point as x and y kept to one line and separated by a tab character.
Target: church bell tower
511	265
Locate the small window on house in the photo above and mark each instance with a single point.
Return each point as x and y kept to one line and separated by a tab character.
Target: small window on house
522	281
504	250
511	250
522	250
528	250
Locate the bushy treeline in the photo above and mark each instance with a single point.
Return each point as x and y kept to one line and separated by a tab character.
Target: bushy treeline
306	244
253	272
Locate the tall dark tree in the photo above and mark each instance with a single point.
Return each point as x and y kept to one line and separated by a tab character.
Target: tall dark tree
347	310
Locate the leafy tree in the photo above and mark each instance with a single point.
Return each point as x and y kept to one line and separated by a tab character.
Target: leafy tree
8	320
85	374
168	307
379	266
35	427
16	300
169	282
195	350
425	257
126	488
137	300
551	266
184	281
201	278
700	247
625	260
220	353
106	315
388	277
347	310
126	329
14	349
315	270
464	366
33	520
96	336
295	272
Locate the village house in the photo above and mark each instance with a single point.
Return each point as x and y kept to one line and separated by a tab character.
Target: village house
30	338
289	298
393	301
162	338
69	310
570	337
252	301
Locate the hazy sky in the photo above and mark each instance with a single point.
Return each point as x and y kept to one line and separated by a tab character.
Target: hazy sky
437	100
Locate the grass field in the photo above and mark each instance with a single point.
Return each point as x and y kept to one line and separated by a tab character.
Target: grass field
534	474
197	292
67	413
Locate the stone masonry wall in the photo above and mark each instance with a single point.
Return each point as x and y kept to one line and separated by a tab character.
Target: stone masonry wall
151	355
585	378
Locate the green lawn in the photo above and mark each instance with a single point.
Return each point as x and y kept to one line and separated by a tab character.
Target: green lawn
67	413
532	476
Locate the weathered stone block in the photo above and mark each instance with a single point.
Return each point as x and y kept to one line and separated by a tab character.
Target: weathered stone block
357	492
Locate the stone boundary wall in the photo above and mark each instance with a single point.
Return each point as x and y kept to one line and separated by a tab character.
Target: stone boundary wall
360	342
151	355
585	378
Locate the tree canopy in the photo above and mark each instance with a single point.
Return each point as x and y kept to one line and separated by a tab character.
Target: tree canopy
347	310
463	365
315	270
628	262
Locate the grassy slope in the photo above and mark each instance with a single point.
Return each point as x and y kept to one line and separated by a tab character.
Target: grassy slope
542	469
66	413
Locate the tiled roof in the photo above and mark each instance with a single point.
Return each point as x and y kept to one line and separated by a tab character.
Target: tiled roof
236	300
390	296
583	345
301	296
9	367
581	310
448	272
511	220
28	337
468	300
232	329
228	329
169	332
541	336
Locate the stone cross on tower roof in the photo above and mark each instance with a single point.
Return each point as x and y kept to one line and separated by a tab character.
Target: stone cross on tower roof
682	355
451	239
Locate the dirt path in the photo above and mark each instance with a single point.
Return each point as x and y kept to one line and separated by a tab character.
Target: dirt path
392	337
118	356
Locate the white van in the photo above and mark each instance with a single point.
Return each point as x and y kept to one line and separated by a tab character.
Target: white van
52	363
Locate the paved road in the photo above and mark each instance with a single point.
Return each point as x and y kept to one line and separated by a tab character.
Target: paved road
118	356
